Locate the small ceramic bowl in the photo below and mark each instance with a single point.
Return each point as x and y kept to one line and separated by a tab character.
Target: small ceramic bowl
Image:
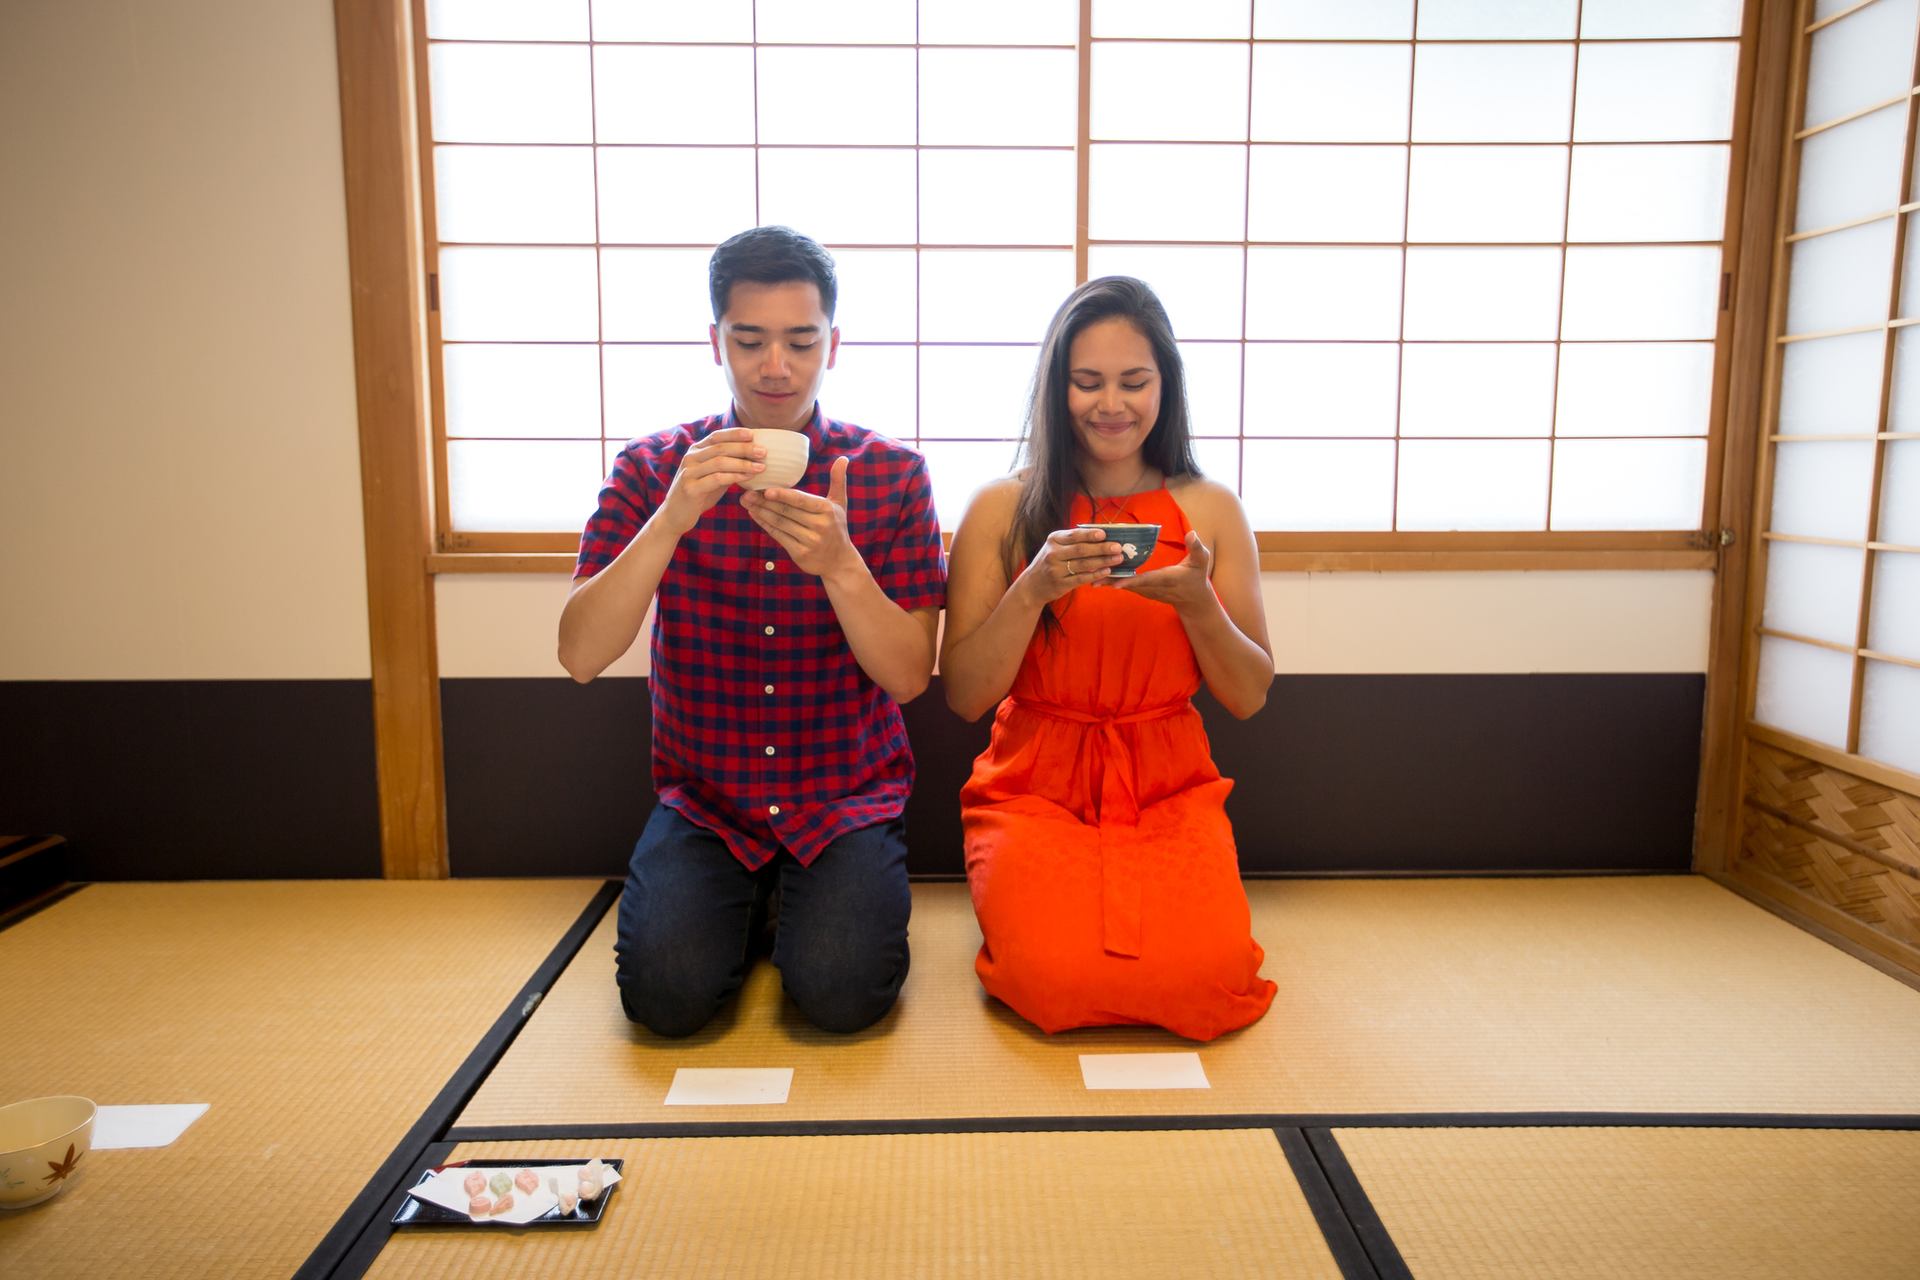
786	458
41	1142
1136	544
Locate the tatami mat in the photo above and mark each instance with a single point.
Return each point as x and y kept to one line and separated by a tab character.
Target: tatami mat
1680	1204
1007	1205
1665	994
318	1019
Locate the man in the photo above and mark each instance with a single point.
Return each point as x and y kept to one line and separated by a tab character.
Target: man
790	623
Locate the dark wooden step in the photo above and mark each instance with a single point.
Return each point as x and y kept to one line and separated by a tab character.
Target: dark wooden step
34	873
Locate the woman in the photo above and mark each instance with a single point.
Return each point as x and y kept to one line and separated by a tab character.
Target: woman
1098	849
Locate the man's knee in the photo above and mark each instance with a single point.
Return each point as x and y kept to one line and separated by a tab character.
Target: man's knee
846	990
674	990
671	1005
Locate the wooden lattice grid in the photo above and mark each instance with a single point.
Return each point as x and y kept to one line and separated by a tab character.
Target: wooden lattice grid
1841	839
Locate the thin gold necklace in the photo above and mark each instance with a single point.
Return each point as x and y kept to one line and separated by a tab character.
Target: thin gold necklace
1115	505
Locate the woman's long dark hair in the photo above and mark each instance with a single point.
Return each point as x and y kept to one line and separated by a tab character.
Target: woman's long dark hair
1047	444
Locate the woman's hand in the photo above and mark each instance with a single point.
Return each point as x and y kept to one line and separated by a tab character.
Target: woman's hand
1068	558
1185	586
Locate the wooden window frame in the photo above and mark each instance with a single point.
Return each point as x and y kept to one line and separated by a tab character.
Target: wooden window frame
1295	551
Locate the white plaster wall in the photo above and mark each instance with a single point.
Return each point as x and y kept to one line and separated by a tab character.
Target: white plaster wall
1440	623
179	457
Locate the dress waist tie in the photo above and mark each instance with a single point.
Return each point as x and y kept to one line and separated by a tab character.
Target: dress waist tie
1118	804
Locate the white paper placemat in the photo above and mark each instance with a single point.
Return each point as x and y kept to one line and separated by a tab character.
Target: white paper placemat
1142	1071
729	1086
155	1125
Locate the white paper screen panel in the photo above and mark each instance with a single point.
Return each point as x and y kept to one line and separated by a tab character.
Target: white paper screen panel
716	21
649	385
637	204
995	402
507	20
1900	494
834	21
1477	389
1890	715
1863	59
1813	591
1841	279
1851	170
518	295
515	195
1895	624
1632	484
523	390
1831	386
1821	489
878	384
1804	690
1635	389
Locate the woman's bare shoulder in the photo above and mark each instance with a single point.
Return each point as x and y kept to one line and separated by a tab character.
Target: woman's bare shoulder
1201	496
996	498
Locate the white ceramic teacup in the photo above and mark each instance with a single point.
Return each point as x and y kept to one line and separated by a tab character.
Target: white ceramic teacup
42	1141
786	458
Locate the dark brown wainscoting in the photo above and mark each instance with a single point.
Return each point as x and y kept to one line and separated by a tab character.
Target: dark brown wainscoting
1339	774
194	779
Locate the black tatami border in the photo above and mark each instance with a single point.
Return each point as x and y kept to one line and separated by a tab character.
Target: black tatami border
392	1177
1329	1211
1382	1253
1070	1124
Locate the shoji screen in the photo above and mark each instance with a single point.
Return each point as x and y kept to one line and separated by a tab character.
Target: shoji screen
1829	820
1840	621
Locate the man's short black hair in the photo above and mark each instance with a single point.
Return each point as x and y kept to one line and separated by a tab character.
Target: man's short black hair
770	255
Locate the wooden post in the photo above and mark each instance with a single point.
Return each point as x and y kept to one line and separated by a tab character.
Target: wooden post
384	254
1761	170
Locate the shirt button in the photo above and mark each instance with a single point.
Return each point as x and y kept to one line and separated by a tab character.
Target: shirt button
769	630
774	810
769	688
769	750
769	566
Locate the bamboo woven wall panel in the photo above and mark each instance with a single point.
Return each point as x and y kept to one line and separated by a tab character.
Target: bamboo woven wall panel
1843	840
1836	803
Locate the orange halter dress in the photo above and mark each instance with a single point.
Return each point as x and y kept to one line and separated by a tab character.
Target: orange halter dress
1098	851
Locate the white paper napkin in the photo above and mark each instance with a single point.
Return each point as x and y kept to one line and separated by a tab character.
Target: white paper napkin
156	1125
1142	1071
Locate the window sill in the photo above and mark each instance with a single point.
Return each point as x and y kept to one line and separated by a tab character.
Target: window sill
1326	561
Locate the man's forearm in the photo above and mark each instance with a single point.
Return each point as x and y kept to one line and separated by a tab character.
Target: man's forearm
890	644
603	616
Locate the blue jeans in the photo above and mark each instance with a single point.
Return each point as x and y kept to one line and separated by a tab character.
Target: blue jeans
688	915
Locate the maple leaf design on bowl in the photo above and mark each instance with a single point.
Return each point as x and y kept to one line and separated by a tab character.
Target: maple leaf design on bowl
62	1168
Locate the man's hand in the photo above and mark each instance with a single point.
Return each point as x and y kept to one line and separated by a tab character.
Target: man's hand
708	470
1184	585
811	528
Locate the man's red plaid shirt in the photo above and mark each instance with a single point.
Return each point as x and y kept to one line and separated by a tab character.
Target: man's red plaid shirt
765	729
